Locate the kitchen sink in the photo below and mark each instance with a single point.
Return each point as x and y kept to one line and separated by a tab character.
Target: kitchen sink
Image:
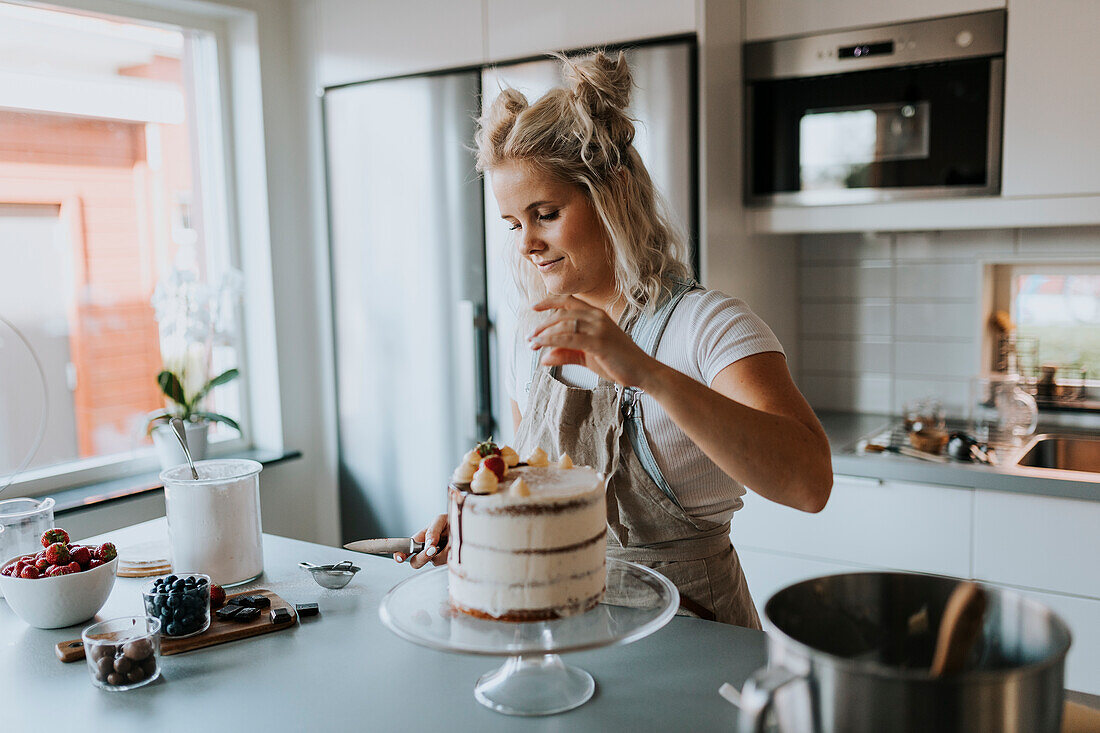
1063	453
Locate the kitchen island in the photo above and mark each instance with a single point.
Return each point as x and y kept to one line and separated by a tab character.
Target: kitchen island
344	670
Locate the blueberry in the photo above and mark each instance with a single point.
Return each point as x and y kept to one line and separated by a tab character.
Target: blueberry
201	582
170	579
173	601
190	580
173	629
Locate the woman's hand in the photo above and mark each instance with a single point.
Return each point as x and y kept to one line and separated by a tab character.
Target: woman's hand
430	536
577	333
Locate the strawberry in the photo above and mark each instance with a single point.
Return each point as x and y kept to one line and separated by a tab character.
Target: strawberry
94	563
487	448
57	554
50	536
81	555
217	596
41	563
105	552
30	572
74	567
495	464
55	570
63	569
8	570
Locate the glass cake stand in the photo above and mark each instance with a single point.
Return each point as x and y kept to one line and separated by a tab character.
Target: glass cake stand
533	680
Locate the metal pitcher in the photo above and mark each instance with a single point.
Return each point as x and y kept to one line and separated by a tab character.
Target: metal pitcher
853	652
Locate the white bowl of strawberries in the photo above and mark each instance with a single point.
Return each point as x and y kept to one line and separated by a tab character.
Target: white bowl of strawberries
61	585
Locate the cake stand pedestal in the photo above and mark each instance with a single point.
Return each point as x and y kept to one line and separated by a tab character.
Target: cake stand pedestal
533	679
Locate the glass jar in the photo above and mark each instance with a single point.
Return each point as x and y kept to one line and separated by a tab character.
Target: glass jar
23	521
1001	411
123	653
214	522
180	602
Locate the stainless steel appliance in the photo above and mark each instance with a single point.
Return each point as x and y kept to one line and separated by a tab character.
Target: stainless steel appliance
893	112
853	653
421	309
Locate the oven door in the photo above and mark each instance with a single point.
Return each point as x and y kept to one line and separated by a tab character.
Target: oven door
920	131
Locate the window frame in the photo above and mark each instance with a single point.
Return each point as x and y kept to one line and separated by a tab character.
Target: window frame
234	32
1003	281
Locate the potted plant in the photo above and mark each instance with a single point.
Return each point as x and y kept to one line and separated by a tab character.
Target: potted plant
196	421
195	320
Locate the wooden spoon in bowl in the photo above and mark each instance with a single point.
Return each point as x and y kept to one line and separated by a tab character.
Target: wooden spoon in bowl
959	629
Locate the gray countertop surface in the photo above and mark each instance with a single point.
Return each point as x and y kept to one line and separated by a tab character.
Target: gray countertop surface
845	429
344	670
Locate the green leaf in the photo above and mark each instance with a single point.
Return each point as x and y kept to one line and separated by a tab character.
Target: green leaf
215	417
171	387
163	417
227	376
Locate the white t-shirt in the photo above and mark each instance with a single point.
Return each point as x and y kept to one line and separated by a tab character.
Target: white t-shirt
707	332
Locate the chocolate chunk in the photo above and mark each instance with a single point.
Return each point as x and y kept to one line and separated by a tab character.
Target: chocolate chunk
227	613
280	615
252	601
246	614
306	609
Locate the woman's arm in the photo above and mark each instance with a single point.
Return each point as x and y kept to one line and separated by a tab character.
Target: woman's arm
755	424
516	416
752	421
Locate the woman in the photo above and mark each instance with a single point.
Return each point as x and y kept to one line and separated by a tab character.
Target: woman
681	395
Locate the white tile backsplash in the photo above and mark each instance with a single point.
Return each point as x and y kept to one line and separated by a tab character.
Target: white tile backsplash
935	320
849	356
846	319
945	280
890	317
953	393
935	359
1074	241
954	245
845	247
846	281
863	393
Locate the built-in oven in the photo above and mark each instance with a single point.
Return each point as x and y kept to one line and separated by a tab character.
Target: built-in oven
893	112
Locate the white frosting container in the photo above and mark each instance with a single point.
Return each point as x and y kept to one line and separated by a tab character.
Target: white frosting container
214	523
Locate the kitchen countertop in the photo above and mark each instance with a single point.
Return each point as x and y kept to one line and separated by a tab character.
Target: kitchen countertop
344	670
845	429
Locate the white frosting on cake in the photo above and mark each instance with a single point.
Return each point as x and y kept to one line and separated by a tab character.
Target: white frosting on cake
529	556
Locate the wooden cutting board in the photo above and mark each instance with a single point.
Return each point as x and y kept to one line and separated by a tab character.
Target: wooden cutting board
220	631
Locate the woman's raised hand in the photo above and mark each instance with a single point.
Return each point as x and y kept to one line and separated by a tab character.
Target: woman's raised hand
577	333
431	537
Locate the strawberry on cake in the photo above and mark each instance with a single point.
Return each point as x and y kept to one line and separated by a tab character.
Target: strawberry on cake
526	537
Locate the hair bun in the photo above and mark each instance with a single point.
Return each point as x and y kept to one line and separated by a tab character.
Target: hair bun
601	83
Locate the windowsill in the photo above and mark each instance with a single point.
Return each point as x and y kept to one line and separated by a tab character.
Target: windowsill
100	493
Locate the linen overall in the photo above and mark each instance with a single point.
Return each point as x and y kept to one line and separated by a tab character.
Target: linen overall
602	428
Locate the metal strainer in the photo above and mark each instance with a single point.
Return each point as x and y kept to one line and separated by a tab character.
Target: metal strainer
331	576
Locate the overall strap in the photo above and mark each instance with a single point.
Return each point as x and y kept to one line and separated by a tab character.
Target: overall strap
647	334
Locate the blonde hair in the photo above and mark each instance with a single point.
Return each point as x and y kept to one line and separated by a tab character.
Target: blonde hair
580	134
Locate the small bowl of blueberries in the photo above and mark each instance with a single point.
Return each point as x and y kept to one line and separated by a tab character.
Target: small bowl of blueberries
180	602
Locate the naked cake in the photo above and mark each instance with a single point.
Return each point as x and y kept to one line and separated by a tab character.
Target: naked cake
527	538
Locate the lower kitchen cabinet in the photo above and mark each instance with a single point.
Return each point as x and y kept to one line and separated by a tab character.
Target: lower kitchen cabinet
1044	547
1040	542
768	572
1083	617
887	524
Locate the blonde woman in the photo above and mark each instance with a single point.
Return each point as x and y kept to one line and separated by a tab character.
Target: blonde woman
619	332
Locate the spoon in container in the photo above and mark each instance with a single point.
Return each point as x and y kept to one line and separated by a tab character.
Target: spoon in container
181	435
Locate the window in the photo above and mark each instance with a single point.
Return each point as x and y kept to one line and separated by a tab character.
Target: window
111	177
1055	311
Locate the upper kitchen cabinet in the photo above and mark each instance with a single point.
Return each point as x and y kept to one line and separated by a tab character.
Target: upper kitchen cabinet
1052	99
520	28
780	18
360	40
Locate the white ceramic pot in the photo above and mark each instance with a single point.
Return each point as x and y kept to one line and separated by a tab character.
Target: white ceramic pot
168	448
63	600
